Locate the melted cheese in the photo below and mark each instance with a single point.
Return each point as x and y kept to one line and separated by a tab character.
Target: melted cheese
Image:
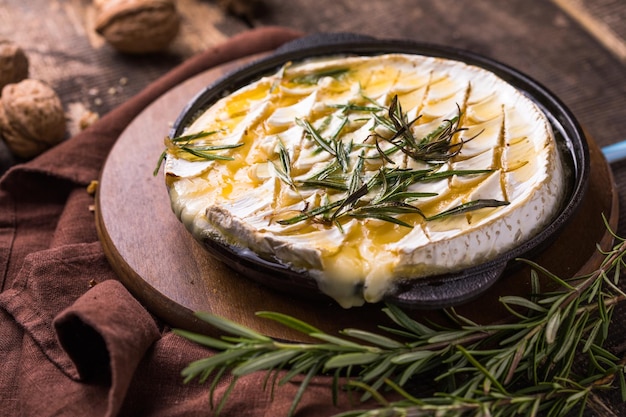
345	101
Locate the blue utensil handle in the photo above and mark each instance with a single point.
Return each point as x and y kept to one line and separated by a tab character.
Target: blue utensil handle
615	152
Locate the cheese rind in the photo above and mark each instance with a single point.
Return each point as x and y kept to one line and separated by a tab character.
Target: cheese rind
293	127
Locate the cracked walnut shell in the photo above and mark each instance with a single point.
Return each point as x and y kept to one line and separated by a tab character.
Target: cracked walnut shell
31	118
137	26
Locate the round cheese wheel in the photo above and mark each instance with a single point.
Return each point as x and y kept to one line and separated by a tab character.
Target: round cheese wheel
366	170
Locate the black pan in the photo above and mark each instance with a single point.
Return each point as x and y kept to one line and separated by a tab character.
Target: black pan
426	293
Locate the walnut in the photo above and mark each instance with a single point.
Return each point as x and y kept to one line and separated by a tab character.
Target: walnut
137	26
31	117
13	63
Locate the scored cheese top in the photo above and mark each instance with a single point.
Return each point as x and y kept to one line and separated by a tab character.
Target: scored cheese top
365	170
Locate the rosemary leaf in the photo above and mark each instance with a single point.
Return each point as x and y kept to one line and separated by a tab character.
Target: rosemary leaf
355	179
284	169
410	357
467	207
222	403
522	302
289	321
593	334
324	173
159	163
350	107
409	195
206	155
401	318
552	327
231	327
391	207
401	124
220	359
193	136
373	338
303	386
264	362
339	341
316	136
311	214
380	216
347	359
481	369
351	200
446	174
325	183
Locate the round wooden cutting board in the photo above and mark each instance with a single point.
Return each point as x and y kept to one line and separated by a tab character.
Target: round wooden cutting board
173	275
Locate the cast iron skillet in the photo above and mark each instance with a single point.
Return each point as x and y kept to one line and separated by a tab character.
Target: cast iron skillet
437	291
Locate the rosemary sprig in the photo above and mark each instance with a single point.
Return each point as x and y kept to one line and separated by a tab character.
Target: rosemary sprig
284	169
321	211
332	146
387	195
187	145
523	366
469	206
438	146
384	197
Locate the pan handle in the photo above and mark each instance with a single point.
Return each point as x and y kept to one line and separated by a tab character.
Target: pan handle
446	290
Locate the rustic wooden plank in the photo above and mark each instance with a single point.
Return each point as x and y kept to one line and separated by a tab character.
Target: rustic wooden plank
603	19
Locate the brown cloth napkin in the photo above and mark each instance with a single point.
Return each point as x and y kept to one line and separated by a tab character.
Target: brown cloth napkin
73	341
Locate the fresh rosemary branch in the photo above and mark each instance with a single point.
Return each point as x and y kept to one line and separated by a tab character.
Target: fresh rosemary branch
436	147
387	192
385	196
194	145
523	366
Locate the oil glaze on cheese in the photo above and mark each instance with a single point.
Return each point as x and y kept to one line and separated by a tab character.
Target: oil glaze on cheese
240	201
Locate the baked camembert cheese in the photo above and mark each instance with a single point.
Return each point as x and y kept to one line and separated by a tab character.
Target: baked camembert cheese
365	170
